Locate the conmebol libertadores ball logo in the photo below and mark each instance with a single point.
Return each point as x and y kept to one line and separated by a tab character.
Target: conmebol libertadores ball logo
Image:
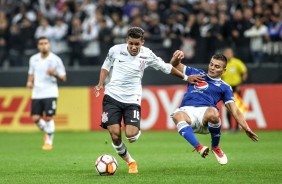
201	85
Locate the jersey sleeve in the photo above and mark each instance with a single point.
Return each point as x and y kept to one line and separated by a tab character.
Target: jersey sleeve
109	61
228	95
60	69
31	67
158	64
191	71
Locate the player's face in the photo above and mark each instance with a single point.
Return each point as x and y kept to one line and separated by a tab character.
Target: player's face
216	68
134	45
43	45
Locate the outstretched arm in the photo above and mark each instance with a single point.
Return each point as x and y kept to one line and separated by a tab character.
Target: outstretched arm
233	109
175	61
103	75
179	67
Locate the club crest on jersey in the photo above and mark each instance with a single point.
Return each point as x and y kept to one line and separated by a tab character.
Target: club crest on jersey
142	65
105	117
203	85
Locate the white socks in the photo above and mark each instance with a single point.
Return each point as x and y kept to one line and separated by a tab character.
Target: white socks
48	128
123	153
41	124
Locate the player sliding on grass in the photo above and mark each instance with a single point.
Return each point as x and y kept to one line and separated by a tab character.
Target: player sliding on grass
125	66
198	112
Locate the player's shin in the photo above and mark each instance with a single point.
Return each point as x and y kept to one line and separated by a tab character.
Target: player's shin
215	133
123	153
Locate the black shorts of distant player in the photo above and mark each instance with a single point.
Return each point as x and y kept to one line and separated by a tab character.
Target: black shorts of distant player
114	111
47	106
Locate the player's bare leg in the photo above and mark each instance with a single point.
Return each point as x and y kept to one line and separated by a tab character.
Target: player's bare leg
132	135
41	123
49	133
183	122
119	146
212	120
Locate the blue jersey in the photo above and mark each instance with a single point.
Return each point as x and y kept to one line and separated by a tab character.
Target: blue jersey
206	93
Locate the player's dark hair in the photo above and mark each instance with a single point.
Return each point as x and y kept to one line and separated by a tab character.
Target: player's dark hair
136	32
42	38
220	57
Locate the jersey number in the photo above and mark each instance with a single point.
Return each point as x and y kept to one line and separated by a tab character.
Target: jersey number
136	114
54	104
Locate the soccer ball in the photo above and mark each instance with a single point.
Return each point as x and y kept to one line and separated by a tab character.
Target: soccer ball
106	165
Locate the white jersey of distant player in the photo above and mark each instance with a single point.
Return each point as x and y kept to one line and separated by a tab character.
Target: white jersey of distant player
45	85
126	72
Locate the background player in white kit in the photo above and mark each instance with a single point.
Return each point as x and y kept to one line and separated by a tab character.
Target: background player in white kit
44	69
125	64
198	112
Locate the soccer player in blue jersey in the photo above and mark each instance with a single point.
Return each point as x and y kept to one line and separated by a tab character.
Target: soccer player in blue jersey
198	112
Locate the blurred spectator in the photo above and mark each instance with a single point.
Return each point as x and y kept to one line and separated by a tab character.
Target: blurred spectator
274	38
64	12
27	29
150	7
88	7
175	11
137	21
16	46
155	29
119	30
130	7
105	39
75	42
238	26
91	50
256	33
190	39
192	25
3	37
44	29
174	33
48	9
213	36
59	39
23	12
155	33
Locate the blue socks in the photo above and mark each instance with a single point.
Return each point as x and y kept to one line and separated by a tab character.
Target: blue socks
215	133
187	133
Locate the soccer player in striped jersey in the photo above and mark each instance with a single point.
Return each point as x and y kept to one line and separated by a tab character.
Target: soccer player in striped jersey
198	112
124	68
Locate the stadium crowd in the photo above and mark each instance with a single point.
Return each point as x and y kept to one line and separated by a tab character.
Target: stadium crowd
82	31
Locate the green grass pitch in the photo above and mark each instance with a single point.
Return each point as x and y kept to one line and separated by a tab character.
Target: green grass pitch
162	156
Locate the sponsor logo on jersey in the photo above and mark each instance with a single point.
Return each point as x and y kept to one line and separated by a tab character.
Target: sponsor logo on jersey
203	85
123	53
143	57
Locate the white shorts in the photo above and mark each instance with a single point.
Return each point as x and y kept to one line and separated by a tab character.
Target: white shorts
196	115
